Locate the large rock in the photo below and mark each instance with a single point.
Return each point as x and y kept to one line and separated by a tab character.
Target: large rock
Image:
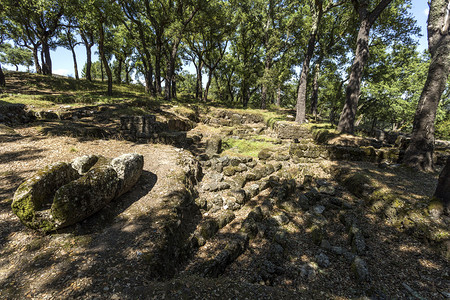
62	194
128	168
443	187
34	196
213	146
85	196
291	130
83	163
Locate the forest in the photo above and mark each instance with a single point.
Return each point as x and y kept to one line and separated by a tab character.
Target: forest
249	52
224	149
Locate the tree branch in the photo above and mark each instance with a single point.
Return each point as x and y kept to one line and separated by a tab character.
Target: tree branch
377	11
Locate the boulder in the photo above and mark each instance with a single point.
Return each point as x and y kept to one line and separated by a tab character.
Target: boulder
213	146
128	168
62	194
85	196
84	163
33	197
291	130
265	154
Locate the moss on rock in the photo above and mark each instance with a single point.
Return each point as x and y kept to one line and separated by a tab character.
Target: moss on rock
85	196
37	193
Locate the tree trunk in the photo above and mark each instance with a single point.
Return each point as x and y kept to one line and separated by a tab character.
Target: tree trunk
301	96
199	83
88	62
208	84
75	65
119	71
104	60
347	118
230	88
102	75
171	69
419	153
37	66
264	88
442	192
245	94
47	61
158	55
278	103
2	77
348	115
127	74
335	102
174	88
315	92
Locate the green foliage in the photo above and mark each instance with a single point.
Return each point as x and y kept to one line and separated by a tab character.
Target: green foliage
394	83
245	147
15	56
186	83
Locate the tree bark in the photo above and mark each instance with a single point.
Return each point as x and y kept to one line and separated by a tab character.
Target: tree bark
301	96
148	77
278	102
75	65
47	61
37	66
171	69
2	77
88	45
315	92
348	115
419	153
119	71
103	58
267	66
127	74
158	55
199	83
208	84
245	93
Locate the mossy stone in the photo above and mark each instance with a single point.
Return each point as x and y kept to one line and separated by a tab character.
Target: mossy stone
85	196
36	194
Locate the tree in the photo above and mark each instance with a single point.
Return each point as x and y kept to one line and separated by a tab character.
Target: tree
105	13
183	12
367	19
318	10
137	19
68	40
40	19
246	47
393	82
2	38
87	31
15	56
419	153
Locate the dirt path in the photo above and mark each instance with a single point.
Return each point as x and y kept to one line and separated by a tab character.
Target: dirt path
88	259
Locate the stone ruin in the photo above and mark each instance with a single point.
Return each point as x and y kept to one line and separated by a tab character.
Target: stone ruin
147	129
63	194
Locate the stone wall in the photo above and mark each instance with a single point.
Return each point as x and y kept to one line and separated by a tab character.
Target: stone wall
13	114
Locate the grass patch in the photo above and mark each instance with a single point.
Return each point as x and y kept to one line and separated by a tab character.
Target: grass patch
29	100
133	111
245	147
